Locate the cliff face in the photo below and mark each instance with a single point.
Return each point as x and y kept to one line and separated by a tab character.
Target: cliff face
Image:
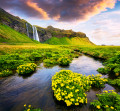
14	22
43	34
30	30
49	32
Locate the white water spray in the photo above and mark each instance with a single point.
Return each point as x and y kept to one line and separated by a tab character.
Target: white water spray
35	34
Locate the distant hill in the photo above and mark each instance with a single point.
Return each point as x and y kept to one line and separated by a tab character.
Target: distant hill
14	29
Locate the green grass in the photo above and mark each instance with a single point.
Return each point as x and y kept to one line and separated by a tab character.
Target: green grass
69	41
10	36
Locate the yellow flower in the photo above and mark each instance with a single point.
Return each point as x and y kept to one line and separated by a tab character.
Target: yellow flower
112	107
62	84
28	109
29	106
86	100
98	107
68	102
72	99
81	101
25	105
76	104
107	106
105	91
67	86
76	90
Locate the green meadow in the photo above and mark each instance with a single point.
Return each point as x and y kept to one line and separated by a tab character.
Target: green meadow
21	55
10	36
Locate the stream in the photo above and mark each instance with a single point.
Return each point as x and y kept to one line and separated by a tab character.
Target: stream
35	90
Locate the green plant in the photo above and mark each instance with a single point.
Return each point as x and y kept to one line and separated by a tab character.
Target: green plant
102	70
10	64
5	73
35	56
26	69
11	36
70	87
49	62
30	108
107	101
64	61
115	82
97	81
112	65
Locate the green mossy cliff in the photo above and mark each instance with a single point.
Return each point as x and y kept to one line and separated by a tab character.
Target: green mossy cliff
49	32
15	22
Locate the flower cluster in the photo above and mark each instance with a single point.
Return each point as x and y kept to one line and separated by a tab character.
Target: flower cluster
115	82
30	108
70	87
64	61
107	101
97	81
26	69
5	73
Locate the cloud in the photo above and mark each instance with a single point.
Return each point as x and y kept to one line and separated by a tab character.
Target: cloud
107	28
59	10
33	5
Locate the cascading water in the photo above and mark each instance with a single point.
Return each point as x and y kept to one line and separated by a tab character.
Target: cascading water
35	34
27	30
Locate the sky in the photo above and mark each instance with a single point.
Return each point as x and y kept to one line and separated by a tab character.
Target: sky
99	19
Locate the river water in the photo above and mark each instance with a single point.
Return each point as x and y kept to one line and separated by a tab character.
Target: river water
15	91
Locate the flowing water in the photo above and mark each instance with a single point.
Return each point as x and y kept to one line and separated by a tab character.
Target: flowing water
35	34
15	91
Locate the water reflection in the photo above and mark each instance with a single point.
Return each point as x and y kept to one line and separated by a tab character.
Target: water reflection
15	91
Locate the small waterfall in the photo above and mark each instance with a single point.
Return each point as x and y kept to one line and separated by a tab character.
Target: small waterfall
27	30
35	34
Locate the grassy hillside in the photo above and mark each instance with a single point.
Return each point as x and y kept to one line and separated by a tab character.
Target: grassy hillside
8	35
69	41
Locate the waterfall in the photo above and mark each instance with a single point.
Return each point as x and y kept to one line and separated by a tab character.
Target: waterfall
35	34
27	30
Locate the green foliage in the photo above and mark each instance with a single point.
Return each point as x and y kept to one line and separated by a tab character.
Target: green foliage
11	61
112	65
102	52
70	87
26	69
9	36
69	41
56	58
49	62
14	55
5	73
97	81
107	101
102	70
115	82
64	61
19	55
10	64
35	56
109	53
